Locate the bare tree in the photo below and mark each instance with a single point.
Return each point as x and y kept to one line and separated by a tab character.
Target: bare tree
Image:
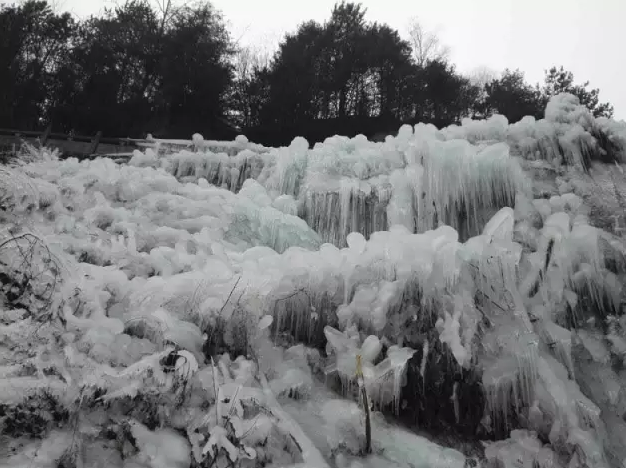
250	58
427	46
258	55
165	8
479	78
482	76
248	62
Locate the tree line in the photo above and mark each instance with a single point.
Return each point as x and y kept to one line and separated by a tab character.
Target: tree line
150	66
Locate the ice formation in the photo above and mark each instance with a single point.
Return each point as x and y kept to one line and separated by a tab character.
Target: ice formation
429	256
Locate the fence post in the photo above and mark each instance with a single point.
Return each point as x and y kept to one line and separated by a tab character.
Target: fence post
43	139
95	142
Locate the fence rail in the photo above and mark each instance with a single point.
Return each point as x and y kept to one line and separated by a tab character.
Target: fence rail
80	146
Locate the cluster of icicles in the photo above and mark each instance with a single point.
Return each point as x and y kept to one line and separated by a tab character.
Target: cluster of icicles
351	185
525	356
373	199
459	176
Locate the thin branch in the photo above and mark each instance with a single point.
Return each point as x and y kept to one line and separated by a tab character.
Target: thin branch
229	296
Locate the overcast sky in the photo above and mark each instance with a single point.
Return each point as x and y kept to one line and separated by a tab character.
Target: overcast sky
586	37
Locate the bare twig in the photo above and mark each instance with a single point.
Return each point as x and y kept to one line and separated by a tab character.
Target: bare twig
229	296
25	269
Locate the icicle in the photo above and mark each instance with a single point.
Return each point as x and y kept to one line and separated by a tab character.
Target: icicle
400	207
512	376
455	401
526	353
349	188
461	182
499	381
423	364
398	360
234	179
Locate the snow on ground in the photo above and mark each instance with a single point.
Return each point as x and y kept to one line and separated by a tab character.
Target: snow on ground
225	304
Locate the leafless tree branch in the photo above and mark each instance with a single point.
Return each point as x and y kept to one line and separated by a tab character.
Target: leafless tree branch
427	46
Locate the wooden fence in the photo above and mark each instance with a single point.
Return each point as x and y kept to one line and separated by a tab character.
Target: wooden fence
82	147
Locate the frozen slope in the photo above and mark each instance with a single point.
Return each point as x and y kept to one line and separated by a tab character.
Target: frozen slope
467	267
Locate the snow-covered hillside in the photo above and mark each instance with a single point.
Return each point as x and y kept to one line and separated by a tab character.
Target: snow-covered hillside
212	303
